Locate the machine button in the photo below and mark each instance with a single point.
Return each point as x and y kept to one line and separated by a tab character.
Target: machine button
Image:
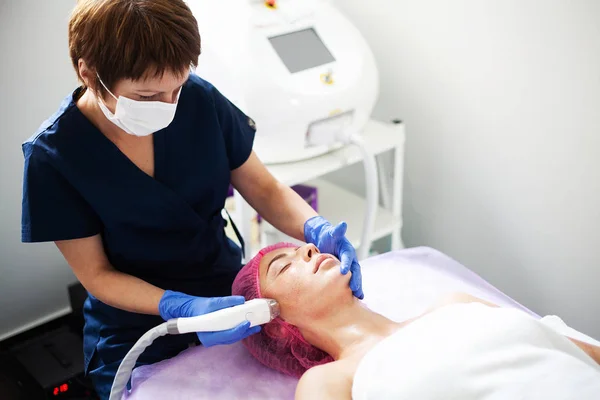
249	316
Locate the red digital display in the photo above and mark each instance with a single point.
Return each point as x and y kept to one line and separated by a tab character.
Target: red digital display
60	389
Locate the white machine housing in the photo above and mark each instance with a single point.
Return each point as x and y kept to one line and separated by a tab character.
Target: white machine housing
301	71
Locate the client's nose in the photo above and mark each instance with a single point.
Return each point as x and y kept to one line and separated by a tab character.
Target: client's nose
309	251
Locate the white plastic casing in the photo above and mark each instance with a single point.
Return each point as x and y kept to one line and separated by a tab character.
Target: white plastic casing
256	311
291	110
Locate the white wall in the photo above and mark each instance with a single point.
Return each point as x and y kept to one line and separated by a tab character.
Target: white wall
501	101
35	75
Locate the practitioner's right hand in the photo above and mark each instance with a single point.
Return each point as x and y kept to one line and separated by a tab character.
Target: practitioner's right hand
180	305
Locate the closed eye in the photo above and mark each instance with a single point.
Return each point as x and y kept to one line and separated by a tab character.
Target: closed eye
147	97
284	269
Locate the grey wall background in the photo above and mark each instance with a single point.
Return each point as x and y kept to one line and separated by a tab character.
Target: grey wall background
500	100
35	75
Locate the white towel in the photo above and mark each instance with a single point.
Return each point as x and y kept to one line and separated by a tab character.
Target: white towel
475	352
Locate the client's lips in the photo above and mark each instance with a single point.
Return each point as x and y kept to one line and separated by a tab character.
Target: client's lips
320	260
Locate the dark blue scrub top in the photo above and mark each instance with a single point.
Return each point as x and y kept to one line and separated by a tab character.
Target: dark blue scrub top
166	230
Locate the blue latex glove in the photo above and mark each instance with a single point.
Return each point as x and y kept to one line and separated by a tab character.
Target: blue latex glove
332	240
181	305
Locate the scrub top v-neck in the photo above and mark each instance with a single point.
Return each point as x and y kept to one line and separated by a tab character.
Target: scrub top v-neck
166	229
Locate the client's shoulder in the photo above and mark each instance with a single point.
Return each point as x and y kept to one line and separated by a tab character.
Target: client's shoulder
327	382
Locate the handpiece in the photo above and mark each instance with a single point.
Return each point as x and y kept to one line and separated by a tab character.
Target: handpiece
256	311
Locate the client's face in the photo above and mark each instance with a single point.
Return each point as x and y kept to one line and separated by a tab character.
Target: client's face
305	283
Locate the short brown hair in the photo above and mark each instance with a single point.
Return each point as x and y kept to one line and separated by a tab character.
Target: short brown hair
133	39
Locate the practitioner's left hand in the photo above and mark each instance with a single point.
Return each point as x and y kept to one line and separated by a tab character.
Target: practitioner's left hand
332	240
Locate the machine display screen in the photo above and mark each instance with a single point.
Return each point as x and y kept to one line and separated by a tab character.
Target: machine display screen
301	50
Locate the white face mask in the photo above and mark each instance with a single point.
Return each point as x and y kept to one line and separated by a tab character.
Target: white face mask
139	118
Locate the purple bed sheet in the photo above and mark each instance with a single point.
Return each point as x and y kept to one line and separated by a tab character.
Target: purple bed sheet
399	285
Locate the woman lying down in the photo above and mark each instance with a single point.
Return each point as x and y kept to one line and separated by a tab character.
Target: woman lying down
461	348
